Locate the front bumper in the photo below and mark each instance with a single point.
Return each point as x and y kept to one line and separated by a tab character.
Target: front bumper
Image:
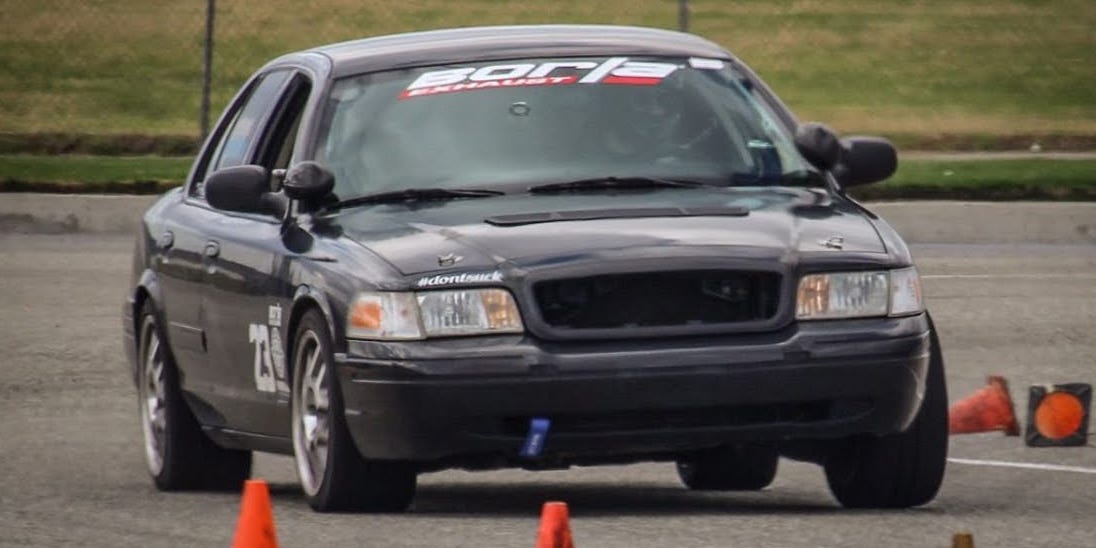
472	399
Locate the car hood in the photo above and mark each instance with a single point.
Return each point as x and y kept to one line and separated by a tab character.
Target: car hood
455	236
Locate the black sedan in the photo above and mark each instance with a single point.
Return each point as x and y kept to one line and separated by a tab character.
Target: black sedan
530	247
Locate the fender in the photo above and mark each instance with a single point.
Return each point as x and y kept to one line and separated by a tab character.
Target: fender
147	289
304	297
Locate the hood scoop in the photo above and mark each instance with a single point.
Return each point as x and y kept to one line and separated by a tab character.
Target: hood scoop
520	219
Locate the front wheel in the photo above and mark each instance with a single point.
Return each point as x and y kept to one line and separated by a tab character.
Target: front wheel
899	470
333	474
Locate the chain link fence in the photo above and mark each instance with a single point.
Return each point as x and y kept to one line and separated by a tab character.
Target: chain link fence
158	68
937	68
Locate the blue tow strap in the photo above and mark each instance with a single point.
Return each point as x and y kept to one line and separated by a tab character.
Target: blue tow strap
534	440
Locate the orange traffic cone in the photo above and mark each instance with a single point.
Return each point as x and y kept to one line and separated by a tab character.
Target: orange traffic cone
256	526
555	530
987	409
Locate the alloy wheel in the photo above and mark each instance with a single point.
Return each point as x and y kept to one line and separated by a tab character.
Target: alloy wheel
311	412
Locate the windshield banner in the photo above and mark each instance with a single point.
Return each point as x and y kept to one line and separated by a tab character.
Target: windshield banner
615	70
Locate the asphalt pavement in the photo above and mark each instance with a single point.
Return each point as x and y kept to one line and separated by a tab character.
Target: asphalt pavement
70	442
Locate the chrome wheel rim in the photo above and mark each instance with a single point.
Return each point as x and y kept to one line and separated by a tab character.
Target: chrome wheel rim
151	393
311	412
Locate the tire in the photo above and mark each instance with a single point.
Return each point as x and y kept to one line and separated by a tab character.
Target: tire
178	455
333	474
729	468
898	470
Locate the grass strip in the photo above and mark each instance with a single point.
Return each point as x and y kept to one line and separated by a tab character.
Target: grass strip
92	174
1013	179
1010	179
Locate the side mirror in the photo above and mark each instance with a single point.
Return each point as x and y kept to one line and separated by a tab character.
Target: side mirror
308	182
244	189
818	144
854	160
866	160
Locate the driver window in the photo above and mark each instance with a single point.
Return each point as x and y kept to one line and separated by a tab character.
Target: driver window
239	133
276	150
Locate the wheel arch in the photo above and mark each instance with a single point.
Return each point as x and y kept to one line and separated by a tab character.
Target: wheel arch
146	290
304	299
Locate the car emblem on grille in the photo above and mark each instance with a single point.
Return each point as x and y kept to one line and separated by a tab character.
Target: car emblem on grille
833	242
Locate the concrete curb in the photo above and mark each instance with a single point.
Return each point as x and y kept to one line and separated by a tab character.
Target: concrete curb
31	213
917	221
991	222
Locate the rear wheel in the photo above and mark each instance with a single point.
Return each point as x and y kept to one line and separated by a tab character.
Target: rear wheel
333	475
729	468
178	454
899	470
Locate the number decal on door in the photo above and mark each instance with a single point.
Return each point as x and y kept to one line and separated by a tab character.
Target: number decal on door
259	335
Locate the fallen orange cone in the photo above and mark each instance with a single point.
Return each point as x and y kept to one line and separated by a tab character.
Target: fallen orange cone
1058	415
986	410
256	526
555	528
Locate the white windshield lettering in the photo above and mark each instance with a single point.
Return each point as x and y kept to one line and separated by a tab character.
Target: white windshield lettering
546	68
500	72
441	77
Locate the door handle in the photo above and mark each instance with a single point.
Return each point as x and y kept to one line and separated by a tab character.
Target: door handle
166	240
212	249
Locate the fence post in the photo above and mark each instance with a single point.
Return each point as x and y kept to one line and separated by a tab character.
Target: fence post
207	66
683	15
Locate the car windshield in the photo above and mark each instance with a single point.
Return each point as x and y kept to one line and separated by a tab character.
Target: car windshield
514	123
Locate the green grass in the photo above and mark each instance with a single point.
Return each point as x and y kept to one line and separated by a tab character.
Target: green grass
93	169
950	173
91	174
1040	179
1044	179
926	67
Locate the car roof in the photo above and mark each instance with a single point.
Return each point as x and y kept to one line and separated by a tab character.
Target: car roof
509	42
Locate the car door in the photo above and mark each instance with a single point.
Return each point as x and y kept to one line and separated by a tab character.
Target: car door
192	248
178	256
247	294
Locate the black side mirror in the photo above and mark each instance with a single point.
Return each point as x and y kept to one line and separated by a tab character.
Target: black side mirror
866	160
818	144
308	182
244	189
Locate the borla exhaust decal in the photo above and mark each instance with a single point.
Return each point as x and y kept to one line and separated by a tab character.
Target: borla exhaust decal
615	70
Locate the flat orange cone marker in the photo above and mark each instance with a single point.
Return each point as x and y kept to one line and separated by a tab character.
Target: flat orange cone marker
962	540
256	526
555	529
986	410
1058	415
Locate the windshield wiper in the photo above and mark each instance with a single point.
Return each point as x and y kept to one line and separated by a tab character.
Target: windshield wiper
625	183
412	195
803	177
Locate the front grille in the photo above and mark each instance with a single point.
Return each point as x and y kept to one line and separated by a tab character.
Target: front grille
658	299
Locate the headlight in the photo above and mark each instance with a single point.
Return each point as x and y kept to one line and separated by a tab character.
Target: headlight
905	292
386	316
858	294
408	316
